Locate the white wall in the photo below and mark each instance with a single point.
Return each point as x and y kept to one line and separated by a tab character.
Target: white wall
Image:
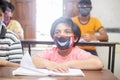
107	11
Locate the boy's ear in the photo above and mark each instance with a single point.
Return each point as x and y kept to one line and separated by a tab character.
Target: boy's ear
75	39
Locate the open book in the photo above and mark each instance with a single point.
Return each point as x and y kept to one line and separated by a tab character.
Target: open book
28	68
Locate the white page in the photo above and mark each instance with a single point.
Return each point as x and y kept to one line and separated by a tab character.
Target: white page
28	68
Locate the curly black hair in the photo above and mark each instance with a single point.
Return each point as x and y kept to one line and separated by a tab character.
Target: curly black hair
5	4
2	5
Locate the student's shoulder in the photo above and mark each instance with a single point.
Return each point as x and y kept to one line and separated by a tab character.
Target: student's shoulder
15	22
11	33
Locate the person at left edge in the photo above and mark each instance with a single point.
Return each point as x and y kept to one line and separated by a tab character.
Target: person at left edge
11	23
10	46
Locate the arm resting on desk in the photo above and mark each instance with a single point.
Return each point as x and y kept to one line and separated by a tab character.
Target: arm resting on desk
102	35
91	63
8	63
43	63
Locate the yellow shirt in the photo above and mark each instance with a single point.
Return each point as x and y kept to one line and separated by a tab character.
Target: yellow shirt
16	28
91	27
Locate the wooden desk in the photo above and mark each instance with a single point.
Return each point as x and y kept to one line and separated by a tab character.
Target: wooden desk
111	45
6	74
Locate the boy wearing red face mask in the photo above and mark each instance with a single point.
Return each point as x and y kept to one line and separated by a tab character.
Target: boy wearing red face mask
66	55
10	46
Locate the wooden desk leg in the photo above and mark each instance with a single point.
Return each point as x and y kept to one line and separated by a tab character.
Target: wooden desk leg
109	58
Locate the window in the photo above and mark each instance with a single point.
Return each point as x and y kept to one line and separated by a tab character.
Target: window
47	11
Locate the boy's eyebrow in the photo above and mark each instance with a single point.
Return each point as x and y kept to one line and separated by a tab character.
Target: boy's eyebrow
57	30
68	29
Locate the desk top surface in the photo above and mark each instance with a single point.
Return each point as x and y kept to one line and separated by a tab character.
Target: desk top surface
6	74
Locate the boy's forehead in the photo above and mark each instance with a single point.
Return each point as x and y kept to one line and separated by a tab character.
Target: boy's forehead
64	25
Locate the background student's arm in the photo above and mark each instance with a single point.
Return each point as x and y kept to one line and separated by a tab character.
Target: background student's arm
102	36
8	63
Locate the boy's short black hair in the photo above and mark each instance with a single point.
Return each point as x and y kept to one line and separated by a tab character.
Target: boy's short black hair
75	29
2	5
86	2
5	4
10	6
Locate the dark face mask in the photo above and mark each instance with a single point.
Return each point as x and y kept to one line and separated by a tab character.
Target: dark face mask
64	42
1	23
3	30
85	11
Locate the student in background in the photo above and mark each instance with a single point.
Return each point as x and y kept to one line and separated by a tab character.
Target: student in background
11	24
66	55
89	26
10	46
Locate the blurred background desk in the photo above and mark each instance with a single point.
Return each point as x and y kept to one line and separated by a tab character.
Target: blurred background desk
6	74
111	45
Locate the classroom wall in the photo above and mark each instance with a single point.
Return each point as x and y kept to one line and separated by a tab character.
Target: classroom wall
107	11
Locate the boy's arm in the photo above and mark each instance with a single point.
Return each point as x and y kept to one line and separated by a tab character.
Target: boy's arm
44	63
103	35
90	63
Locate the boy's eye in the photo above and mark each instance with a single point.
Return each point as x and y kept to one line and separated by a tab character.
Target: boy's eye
61	32
57	32
68	31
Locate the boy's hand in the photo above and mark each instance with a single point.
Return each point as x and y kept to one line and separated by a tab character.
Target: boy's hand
89	37
57	67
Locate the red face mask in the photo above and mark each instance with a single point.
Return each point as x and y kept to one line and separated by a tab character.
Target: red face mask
64	42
